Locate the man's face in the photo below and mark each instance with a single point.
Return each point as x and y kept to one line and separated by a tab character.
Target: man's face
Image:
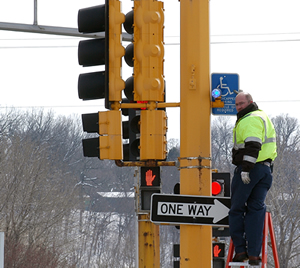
241	102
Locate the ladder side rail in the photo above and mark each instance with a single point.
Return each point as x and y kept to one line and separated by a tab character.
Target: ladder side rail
230	254
273	241
264	251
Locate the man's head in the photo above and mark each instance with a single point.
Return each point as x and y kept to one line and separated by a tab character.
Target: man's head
242	100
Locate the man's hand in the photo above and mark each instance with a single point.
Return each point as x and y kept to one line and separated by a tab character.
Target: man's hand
245	177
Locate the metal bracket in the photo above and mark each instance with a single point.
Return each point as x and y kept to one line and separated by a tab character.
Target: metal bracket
199	158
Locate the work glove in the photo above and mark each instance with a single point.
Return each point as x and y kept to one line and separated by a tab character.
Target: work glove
245	177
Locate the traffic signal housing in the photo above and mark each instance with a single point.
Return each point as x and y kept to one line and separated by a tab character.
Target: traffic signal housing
153	128
220	188
150	183
106	51
108	84
134	134
148	50
220	184
109	144
218	255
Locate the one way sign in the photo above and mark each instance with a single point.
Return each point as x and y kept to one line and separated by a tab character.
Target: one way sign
190	209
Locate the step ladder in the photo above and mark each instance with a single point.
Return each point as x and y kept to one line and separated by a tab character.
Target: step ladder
268	228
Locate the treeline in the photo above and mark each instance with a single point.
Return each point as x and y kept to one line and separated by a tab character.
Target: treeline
53	213
51	209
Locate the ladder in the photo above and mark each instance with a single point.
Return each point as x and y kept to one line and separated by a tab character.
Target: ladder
268	228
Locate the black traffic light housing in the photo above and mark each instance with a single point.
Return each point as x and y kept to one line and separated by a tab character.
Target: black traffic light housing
221	188
218	254
150	183
94	52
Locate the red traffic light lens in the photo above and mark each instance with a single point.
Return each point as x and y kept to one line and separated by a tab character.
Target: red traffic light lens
216	188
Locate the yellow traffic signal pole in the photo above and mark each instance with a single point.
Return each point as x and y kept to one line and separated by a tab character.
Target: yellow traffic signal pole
149	246
195	152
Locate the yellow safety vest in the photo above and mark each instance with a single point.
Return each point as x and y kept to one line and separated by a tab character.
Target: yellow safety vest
256	126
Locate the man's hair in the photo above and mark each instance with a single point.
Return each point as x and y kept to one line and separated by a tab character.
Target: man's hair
247	95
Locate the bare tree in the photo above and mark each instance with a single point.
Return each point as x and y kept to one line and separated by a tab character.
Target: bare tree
36	193
53	215
221	143
284	195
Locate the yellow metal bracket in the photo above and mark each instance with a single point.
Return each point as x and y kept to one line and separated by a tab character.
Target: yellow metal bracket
148	163
150	105
217	103
189	159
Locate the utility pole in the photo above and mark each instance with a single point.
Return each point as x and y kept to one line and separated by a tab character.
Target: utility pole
195	151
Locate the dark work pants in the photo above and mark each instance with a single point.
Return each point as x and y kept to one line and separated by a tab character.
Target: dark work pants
247	212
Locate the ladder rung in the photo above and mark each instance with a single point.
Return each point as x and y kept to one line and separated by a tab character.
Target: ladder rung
241	264
238	264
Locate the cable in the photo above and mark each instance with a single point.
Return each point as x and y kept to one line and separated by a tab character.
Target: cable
258	41
245	42
169	44
51	106
39	39
251	34
37	47
170	36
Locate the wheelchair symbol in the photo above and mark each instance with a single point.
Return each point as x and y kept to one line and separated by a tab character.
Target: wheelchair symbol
225	88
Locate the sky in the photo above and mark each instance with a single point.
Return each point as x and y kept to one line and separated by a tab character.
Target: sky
257	39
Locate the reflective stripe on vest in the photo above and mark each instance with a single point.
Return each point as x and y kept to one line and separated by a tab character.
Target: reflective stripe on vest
249	158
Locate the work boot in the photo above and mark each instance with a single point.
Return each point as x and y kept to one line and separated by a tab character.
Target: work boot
254	260
240	257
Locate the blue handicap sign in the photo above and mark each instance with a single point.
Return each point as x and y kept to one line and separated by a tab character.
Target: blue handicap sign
228	84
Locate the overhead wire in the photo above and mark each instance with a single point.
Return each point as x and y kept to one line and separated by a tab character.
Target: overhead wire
167	44
73	46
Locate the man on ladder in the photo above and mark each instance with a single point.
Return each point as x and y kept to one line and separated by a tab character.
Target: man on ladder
253	154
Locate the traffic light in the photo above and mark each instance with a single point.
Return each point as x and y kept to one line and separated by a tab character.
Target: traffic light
176	255
149	76
221	184
134	134
131	132
146	53
220	188
106	51
147	126
218	255
150	183
109	144
148	50
108	84
153	126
